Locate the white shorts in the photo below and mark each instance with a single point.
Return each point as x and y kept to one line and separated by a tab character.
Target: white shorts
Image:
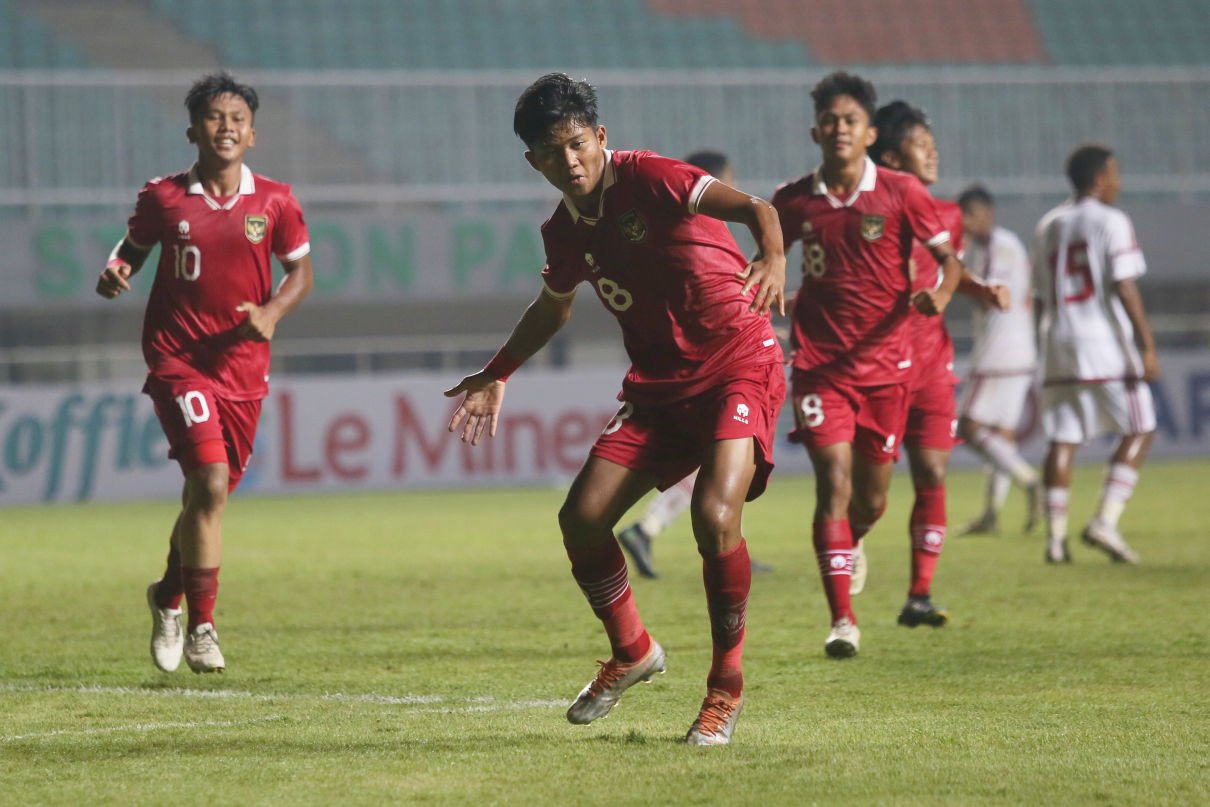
1077	413
995	400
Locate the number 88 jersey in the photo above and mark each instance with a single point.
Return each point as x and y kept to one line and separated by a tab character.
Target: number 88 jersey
1081	249
214	255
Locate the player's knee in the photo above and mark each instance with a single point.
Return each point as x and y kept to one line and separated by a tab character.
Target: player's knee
716	523
206	488
929	474
868	506
577	516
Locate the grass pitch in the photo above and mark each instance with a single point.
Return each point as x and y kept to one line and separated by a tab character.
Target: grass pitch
421	649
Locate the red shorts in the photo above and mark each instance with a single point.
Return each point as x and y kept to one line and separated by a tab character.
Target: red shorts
871	419
932	420
668	440
201	427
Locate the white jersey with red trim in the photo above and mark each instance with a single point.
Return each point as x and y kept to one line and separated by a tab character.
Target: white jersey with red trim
1081	249
1004	340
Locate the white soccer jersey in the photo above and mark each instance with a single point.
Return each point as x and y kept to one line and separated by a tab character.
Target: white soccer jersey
1081	248
1004	340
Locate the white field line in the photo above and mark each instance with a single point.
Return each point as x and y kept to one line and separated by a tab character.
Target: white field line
431	704
197	724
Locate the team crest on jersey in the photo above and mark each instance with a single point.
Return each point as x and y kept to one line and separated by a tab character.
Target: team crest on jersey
872	227
255	227
633	226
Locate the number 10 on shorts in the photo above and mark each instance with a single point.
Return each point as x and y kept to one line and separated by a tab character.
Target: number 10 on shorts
194	407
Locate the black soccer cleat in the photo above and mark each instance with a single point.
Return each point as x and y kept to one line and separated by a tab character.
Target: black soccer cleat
921	611
637	544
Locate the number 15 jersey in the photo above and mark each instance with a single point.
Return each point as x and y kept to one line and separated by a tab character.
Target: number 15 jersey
214	255
1081	248
851	313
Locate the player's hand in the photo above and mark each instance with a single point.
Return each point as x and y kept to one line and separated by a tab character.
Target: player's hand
113	281
998	297
930	302
1151	365
768	275
480	408
259	326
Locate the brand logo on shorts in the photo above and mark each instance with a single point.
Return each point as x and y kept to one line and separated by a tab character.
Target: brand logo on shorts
741	413
889	446
872	227
255	227
591	261
632	226
183	230
808	228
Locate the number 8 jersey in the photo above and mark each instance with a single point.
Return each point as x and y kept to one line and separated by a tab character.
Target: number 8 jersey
851	313
1081	249
214	255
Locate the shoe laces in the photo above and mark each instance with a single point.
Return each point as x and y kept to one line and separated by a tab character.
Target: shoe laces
716	712
610	673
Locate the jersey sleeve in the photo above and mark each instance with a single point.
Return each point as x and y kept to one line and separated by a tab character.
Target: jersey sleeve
290	239
143	226
923	216
791	224
563	270
953	222
679	184
1125	258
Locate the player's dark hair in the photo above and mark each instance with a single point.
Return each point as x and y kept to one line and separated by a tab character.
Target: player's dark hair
894	122
712	162
211	86
842	83
975	195
554	99
1085	163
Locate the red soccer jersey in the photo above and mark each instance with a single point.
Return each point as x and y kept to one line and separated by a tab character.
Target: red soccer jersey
851	313
932	348
667	274
214	255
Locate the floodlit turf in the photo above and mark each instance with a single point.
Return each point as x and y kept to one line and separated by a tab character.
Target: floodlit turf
422	648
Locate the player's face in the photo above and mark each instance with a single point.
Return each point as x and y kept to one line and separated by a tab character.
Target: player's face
843	130
978	220
918	155
572	158
1109	182
224	130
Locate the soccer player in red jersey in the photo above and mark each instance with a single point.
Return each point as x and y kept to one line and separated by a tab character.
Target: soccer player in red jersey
704	387
905	143
851	334
206	332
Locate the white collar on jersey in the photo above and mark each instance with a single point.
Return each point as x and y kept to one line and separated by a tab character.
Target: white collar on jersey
606	183
869	179
247	186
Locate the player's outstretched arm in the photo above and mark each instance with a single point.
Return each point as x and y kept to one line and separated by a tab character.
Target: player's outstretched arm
484	390
767	271
125	260
992	295
261	322
1132	301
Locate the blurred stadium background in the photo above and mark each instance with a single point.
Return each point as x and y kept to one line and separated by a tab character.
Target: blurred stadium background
392	119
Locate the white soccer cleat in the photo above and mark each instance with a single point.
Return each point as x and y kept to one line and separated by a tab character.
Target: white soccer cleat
167	636
845	639
1056	551
201	650
860	569
716	720
614	678
1109	541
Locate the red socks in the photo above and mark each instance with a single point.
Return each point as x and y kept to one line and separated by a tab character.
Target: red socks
728	579
834	551
171	588
927	527
201	590
601	574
